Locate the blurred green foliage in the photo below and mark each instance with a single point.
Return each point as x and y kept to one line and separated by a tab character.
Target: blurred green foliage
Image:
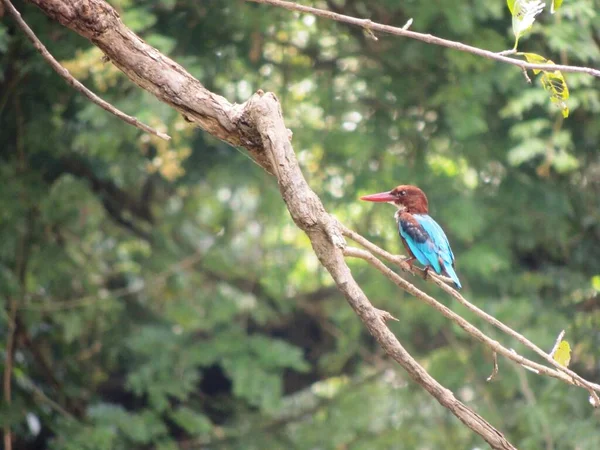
166	300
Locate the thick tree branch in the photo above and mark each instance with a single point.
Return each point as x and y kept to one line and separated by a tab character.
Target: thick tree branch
64	73
371	26
308	213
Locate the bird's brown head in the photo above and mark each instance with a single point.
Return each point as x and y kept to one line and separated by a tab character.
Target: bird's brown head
407	197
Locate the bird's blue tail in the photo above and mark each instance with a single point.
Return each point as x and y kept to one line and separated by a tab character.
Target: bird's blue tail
452	274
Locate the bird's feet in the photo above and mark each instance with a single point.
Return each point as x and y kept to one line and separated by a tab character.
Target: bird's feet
409	262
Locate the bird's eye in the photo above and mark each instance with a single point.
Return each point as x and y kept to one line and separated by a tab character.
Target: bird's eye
402	193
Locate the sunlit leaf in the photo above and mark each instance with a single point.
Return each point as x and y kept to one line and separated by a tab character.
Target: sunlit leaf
555	5
534	58
596	282
524	13
511	6
562	355
553	82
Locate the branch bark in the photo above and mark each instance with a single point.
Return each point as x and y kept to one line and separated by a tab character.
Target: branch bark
309	214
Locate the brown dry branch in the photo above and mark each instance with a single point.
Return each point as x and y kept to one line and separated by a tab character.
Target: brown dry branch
576	379
459	320
567	375
64	73
370	26
495	369
308	213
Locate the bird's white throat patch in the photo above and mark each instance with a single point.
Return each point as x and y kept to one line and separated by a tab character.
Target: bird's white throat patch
401	209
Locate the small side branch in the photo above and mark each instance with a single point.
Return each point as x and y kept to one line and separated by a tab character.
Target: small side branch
495	370
560	337
427	38
64	73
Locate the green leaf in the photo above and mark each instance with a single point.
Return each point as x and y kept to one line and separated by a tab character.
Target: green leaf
511	6
562	355
534	58
596	282
555	5
524	13
553	82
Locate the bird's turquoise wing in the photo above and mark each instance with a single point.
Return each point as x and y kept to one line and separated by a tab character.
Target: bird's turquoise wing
428	243
437	235
419	241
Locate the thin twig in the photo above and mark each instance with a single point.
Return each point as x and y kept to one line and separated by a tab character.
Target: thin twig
20	269
64	73
577	380
395	259
495	369
37	392
427	38
526	75
464	324
560	337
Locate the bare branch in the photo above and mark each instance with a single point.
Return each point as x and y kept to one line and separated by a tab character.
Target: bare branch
573	378
468	327
322	229
395	259
495	369
576	379
64	73
561	335
427	38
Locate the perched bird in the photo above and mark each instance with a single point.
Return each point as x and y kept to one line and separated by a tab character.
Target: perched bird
422	237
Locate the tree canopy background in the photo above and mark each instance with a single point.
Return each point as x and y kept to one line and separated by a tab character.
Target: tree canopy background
166	300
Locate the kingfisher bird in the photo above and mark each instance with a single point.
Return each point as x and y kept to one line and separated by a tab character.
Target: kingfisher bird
422	237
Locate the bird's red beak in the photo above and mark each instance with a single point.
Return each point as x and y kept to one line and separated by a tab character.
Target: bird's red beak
382	197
